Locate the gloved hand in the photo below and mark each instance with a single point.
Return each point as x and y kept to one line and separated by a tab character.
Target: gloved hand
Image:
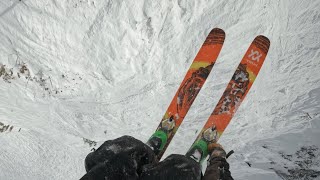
118	159
174	167
218	167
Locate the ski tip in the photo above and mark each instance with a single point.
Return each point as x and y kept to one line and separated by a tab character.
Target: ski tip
262	43
216	36
217	31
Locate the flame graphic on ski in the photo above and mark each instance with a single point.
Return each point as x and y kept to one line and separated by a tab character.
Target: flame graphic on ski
231	99
187	92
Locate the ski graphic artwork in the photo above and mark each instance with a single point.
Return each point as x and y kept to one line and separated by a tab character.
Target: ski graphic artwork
187	92
231	99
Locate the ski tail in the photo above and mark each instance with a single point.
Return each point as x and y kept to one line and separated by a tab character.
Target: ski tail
231	99
187	92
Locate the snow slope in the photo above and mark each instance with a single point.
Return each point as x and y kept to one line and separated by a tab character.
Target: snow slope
75	73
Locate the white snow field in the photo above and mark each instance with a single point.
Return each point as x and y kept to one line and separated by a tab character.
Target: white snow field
75	73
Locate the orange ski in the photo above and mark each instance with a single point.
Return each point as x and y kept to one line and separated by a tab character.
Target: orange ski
187	92
231	99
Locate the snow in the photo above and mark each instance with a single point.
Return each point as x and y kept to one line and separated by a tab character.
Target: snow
79	72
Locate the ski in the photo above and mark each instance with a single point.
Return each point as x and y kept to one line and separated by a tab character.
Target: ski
187	92
231	99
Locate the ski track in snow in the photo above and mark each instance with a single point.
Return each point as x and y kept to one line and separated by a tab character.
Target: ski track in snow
78	72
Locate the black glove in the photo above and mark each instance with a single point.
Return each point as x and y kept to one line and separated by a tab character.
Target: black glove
174	167
118	159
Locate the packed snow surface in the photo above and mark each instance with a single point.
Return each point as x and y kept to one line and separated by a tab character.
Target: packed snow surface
75	73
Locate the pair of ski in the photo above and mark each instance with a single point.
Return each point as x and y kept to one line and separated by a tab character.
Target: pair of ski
228	104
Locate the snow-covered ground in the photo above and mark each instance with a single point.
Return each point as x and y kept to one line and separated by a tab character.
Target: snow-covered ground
75	73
